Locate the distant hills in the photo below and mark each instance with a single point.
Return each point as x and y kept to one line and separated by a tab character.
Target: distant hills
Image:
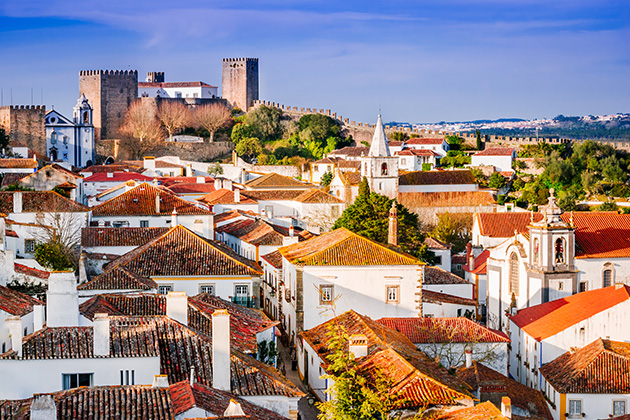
597	127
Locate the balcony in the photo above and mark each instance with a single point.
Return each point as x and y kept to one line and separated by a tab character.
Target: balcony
245	301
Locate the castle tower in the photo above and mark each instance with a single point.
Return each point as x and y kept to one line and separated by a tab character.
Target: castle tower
25	124
155	77
110	92
240	82
379	166
552	254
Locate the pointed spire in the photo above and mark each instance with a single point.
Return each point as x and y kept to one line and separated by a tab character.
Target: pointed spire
379	145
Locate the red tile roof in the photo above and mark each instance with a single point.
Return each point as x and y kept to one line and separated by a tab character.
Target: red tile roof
354	151
480	264
30	271
492	386
413	200
548	319
223	196
343	247
108	236
416	152
180	252
444	330
117	177
118	278
40	202
496	151
140	201
351	178
16	303
274	258
273	180
190	188
437	275
483	411
429	296
317	196
158	164
456	177
433	243
18	163
425	141
259	232
602	367
169	181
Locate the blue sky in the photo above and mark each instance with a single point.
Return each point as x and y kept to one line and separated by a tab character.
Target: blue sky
418	61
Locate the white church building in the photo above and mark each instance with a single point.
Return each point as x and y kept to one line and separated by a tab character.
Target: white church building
71	140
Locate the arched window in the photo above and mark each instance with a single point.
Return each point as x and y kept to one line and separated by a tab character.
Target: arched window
53	137
536	251
514	274
86	117
607	276
559	251
384	169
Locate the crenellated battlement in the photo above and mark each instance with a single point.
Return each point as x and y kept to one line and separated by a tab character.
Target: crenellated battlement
239	59
108	72
26	107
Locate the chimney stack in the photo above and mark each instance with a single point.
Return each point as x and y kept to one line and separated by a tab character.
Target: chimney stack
38	317
157	202
469	357
177	307
201	180
506	407
392	237
149	162
174	219
62	300
43	407
160	381
221	365
17	202
14	325
237	195
101	335
358	345
291	231
189	171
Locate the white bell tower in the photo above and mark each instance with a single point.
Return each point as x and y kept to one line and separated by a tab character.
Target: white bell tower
84	133
379	166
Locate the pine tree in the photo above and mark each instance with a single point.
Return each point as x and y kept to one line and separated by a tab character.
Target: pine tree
479	143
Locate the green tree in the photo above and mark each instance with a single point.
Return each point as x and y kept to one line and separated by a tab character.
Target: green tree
61	191
265	123
4	139
398	136
364	187
451	232
327	179
248	147
479	142
369	216
496	180
608	206
355	394
454	142
51	255
215	169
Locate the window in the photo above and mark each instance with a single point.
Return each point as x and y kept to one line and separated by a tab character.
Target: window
560	285
619	408
315	168
207	288
120	223
559	254
163	289
514	274
29	246
75	380
326	293
53	138
607	277
582	286
127	377
536	250
575	408
334	211
144	223
178	94
438	260
393	293
384	169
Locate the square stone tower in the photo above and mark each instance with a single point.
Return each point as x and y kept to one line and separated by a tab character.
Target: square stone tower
240	82
110	92
25	124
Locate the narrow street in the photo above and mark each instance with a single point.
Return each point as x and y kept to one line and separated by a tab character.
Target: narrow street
306	412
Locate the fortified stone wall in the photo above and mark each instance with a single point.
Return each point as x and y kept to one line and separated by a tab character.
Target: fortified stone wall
191	102
110	93
185	151
25	124
239	84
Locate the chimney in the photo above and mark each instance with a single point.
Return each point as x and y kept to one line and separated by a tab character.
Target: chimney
237	195
157	202
506	407
14	325
38	317
62	300
193	379
101	335
43	407
82	271
234	410
201	180
149	162
17	202
469	358
160	381
221	366
177	307
392	237
189	171
291	231
174	221
358	345
218	183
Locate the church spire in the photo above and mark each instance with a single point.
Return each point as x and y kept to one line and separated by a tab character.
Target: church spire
379	141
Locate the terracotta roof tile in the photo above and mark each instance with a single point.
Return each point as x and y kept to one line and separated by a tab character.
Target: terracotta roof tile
141	201
30	271
18	163
437	275
158	164
108	236
455	177
351	178
190	188
496	151
483	411
274	258
114	167
416	152
480	264
433	243
16	303
223	196
413	200
11	178
429	296
354	151
261	195
117	177
119	278
40	202
550	318
602	367
425	141
274	180
317	196
343	247
444	330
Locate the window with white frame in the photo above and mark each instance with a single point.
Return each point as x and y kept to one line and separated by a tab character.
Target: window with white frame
393	294
75	380
607	276
29	246
207	288
326	293
144	223
619	407
163	289
575	408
